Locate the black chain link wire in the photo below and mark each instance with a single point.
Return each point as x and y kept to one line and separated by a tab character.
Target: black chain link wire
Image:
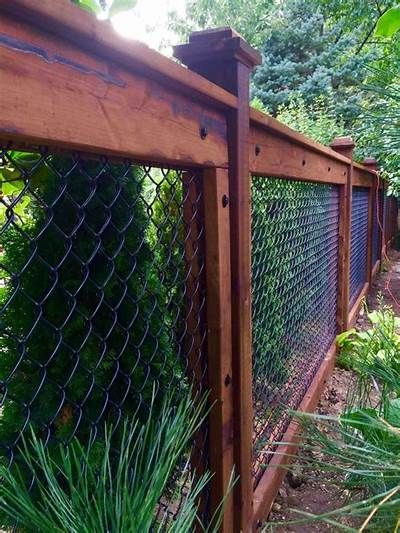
359	241
294	299
102	297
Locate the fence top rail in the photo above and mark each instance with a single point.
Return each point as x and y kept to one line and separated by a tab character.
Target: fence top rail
261	121
65	19
98	39
363	168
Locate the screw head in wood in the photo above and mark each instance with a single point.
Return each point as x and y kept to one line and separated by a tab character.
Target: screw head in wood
225	200
203	132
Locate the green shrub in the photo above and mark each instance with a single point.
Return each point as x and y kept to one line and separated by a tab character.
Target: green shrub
84	326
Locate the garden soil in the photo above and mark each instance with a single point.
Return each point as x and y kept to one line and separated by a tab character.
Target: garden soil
316	491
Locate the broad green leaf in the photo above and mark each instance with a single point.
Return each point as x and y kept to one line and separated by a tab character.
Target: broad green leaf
24	159
118	6
389	23
374	317
344	336
11	187
89	5
393	413
19	209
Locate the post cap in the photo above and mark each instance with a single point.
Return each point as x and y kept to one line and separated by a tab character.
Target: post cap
371	163
341	143
343	146
216	45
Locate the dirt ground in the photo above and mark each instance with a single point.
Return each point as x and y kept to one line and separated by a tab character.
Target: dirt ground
316	491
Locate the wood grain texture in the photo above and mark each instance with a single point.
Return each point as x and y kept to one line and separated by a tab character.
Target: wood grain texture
363	177
62	96
345	149
98	38
219	338
232	71
273	155
259	120
239	190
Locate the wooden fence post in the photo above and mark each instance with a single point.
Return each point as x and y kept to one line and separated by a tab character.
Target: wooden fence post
344	146
223	57
373	207
219	338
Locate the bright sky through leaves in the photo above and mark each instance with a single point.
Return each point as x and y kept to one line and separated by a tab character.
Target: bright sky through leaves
147	22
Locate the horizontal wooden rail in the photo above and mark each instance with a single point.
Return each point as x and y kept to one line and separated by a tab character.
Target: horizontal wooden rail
99	39
64	96
363	177
284	156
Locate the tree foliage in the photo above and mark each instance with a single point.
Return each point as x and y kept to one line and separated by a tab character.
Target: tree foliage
305	55
251	22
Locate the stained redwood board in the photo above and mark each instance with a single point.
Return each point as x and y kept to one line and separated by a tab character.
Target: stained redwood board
363	177
259	120
98	37
284	157
219	338
51	92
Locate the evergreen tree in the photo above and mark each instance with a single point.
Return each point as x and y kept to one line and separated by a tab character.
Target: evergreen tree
84	336
306	56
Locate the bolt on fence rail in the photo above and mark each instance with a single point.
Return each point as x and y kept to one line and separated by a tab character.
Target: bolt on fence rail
158	234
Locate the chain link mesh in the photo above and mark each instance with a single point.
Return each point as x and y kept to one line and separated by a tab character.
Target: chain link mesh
294	298
101	299
359	241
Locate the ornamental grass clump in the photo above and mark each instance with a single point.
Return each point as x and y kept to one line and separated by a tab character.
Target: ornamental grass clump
117	489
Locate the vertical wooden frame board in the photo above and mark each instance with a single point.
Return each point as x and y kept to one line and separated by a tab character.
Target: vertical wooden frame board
371	209
240	195
343	258
219	335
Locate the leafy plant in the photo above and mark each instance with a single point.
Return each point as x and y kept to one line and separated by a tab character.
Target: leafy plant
104	7
360	350
317	120
363	444
117	489
388	23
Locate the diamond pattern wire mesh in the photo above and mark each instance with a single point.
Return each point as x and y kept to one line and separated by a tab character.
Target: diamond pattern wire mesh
294	299
101	298
359	241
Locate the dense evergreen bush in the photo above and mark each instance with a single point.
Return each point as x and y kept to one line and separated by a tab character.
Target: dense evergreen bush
84	332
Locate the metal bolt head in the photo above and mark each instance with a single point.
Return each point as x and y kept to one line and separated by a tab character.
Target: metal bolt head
225	200
203	132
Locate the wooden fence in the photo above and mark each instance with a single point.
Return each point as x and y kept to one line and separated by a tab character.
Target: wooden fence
68	82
